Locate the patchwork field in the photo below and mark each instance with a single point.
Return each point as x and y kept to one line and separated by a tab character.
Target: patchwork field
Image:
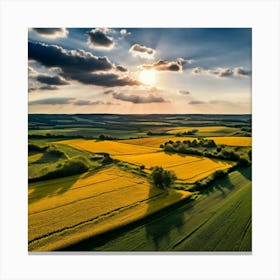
111	147
67	210
117	202
187	168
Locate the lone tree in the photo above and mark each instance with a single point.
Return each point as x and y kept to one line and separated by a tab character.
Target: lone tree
163	179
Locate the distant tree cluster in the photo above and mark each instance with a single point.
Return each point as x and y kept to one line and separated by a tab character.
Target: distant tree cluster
187	133
195	148
150	133
106	137
181	146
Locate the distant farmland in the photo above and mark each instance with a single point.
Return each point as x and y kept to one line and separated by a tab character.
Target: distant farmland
115	200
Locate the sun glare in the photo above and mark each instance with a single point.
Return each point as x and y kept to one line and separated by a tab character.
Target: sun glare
147	77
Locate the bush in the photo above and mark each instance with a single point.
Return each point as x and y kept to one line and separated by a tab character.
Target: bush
161	178
107	159
243	162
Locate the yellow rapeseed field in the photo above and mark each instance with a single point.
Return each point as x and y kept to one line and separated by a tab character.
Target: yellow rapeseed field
111	147
233	141
186	167
66	210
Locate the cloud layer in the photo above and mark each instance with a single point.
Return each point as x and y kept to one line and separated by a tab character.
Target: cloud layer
79	65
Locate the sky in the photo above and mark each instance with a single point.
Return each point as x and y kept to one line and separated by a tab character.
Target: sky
139	70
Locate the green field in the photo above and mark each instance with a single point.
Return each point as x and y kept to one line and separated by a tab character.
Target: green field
220	220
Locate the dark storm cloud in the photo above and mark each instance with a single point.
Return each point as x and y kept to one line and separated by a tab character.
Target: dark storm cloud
78	65
121	68
98	38
68	61
51	33
52	101
137	99
164	65
49	80
184	92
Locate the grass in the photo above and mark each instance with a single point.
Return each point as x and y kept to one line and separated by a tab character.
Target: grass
187	168
106	199
219	220
111	147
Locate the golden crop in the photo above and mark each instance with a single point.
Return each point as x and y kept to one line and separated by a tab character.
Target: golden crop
66	210
186	167
233	141
111	147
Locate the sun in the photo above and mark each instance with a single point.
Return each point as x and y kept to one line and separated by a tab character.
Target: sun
147	77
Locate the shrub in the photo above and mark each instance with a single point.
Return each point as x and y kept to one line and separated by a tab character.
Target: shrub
107	159
142	167
243	162
161	178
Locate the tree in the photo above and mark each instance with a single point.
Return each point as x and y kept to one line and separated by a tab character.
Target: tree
162	179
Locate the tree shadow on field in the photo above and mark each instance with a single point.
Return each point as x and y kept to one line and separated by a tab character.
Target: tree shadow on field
150	233
47	158
246	172
223	185
49	188
167	221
